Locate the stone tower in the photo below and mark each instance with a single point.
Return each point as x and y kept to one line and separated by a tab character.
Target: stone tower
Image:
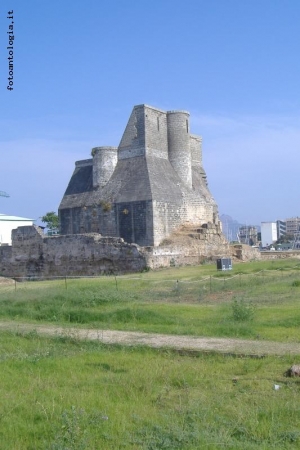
145	189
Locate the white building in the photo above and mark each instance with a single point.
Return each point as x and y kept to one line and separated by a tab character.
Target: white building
9	223
268	233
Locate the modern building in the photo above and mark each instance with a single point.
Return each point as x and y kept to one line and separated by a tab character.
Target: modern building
248	235
9	223
268	233
281	228
293	225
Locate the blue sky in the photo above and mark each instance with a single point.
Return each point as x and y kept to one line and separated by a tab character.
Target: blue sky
80	67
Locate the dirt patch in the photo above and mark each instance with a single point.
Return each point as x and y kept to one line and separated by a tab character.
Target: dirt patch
181	343
6	281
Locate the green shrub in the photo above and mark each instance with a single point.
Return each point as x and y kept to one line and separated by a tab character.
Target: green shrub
71	435
241	311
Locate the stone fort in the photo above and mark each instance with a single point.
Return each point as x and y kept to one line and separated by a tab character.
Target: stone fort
143	204
146	188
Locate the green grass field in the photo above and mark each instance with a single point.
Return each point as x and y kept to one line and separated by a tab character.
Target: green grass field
62	393
188	301
65	394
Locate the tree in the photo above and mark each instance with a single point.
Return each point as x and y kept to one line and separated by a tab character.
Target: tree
51	221
285	238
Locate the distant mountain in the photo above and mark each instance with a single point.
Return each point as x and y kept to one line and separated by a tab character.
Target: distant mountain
231	227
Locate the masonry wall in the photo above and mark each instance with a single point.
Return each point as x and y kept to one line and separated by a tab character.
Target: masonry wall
179	145
280	254
104	162
133	140
134	222
5	256
156	133
34	255
196	150
157	184
169	217
89	219
131	221
189	246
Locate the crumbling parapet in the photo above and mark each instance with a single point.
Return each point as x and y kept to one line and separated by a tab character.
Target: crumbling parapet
34	255
244	252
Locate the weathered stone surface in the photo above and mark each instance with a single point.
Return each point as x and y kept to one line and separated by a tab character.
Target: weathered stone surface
271	255
151	191
147	188
34	255
188	246
245	252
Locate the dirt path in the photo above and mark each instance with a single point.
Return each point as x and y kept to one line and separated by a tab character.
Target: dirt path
183	343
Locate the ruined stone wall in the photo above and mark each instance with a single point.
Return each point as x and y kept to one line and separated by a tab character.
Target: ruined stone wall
189	246
35	255
245	252
270	255
5	255
171	215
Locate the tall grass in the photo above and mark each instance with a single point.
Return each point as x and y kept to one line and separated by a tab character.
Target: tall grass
192	301
61	393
